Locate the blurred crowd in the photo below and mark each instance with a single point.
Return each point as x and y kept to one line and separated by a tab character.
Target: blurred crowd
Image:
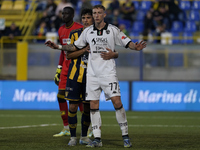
132	17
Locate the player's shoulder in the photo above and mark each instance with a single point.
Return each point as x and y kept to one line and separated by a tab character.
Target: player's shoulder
113	27
78	24
76	30
89	28
61	28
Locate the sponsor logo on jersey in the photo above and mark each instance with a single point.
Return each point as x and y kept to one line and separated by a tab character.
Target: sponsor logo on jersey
93	41
100	41
91	32
66	41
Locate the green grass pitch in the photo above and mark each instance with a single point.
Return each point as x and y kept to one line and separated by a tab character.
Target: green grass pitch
33	130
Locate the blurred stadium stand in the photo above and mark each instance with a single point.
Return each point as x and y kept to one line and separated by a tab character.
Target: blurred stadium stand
185	39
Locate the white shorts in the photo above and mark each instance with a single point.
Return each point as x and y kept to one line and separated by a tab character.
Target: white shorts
95	85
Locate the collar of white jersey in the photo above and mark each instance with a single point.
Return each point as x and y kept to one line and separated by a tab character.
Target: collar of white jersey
104	28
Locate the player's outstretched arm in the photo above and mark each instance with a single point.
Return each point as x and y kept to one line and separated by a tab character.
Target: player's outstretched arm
52	45
137	46
109	55
76	54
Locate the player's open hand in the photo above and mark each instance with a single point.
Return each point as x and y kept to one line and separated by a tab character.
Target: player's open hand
51	44
107	55
140	46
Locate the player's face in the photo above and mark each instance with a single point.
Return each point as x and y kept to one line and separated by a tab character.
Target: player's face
67	15
98	15
87	20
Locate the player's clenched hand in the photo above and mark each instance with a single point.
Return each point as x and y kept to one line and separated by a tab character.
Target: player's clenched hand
87	49
51	44
107	55
140	46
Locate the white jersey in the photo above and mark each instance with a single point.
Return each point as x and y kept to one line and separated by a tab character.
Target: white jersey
99	40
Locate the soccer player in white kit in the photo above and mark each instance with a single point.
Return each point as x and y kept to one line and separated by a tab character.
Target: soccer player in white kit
101	74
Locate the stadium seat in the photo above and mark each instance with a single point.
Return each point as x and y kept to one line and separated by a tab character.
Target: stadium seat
19	5
194	15
138	26
96	2
7	5
140	15
127	23
177	26
184	5
134	36
175	38
145	5
136	5
106	3
175	59
187	38
196	5
190	26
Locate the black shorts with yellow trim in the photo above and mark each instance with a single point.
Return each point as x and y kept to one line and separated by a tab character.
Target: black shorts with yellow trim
75	91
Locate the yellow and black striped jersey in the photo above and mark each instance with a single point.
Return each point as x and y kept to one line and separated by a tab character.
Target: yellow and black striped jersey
78	66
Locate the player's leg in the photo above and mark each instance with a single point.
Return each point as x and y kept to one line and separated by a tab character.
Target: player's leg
111	89
61	99
64	113
121	119
93	94
74	95
85	123
72	118
89	133
85	118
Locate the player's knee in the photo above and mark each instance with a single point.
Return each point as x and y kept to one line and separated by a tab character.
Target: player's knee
94	104
73	107
117	103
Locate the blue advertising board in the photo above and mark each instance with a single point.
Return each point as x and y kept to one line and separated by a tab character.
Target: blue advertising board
42	95
166	96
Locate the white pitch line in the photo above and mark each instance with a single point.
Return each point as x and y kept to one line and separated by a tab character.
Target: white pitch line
107	125
107	117
28	126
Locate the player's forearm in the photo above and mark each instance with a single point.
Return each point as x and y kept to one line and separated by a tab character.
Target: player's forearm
132	46
70	47
76	54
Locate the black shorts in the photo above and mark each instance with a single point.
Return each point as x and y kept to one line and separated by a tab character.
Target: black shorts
75	91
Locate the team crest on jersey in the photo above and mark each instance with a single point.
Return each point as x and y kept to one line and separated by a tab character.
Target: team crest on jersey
66	41
107	31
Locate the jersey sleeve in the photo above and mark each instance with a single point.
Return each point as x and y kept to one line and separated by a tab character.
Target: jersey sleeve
120	38
81	41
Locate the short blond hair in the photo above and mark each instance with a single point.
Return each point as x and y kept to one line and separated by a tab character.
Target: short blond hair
99	6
